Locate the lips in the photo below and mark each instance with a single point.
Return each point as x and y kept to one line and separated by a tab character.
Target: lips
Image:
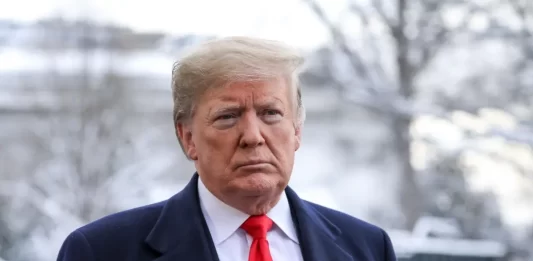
252	163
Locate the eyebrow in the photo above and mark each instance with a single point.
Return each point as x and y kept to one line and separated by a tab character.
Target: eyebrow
269	104
224	108
233	106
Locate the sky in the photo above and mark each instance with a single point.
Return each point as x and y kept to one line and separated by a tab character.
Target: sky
288	20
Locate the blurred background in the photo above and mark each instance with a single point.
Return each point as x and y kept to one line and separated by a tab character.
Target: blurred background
420	115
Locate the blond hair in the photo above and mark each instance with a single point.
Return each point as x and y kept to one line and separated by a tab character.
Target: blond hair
233	59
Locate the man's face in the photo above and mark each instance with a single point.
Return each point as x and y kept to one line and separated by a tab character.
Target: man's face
243	139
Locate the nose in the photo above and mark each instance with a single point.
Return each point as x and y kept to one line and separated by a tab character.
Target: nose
250	127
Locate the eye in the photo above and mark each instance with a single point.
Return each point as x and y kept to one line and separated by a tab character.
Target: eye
224	121
271	116
271	112
226	117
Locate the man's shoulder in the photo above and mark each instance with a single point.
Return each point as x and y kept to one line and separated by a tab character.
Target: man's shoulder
139	220
113	236
362	238
348	223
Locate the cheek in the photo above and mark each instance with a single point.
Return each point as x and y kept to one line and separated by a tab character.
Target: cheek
285	139
284	148
215	146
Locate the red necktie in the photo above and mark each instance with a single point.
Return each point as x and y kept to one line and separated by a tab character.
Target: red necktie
257	227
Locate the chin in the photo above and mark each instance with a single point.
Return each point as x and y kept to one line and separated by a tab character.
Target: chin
259	183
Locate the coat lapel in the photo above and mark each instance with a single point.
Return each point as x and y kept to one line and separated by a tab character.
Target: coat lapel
317	235
181	233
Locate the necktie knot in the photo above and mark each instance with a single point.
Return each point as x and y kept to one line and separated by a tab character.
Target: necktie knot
257	226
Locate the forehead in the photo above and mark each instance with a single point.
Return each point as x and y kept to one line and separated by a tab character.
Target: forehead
248	91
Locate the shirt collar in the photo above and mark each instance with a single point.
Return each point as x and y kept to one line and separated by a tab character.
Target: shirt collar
223	220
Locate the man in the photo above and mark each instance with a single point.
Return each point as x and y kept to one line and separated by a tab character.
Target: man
238	116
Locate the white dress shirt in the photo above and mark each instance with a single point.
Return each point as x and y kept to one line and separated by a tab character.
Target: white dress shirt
233	243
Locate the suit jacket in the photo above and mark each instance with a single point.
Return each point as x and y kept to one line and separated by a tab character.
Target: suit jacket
175	230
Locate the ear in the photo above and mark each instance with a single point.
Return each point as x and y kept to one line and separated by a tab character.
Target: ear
298	137
185	135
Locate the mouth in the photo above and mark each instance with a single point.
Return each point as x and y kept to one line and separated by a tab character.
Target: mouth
253	164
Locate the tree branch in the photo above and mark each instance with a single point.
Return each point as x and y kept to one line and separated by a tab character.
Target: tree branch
431	47
378	6
339	39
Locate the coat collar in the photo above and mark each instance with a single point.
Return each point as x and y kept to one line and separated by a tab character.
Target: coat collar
181	232
318	236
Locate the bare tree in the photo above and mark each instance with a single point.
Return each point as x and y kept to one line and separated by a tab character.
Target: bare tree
65	162
418	30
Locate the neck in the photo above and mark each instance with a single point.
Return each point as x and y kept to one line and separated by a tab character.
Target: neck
251	205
